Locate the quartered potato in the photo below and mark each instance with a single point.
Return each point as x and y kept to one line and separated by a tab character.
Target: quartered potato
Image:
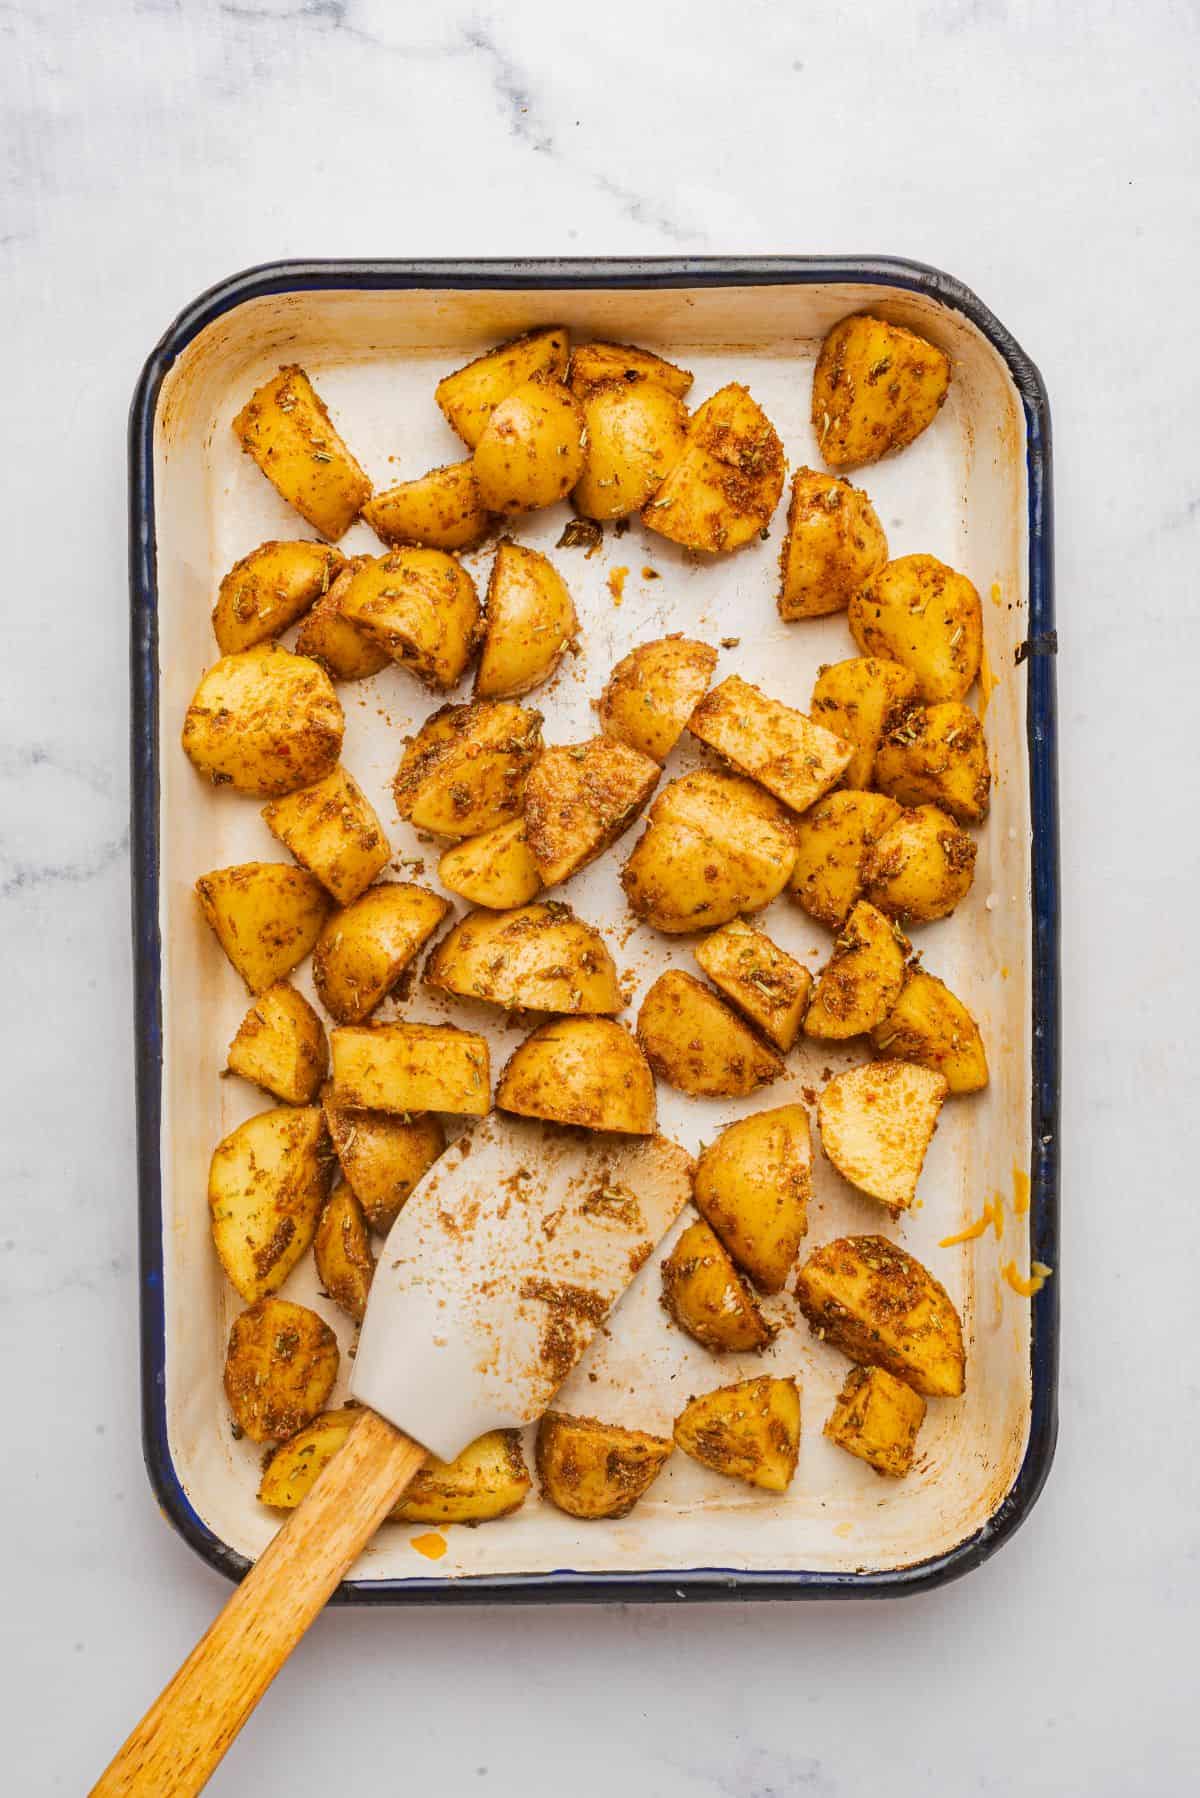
726	485
927	616
706	1296
653	691
856	699
861	981
495	869
832	843
333	830
753	1185
875	387
285	426
265	915
586	1071
579	799
921	867
877	1417
636	427
780	748
834	543
529	623
471	394
488	1480
930	1026
532	450
269	589
539	958
596	364
420	606
363	950
280	1046
280	1368
439	510
266	1185
714	845
382	1156
591	1469
292	1469
750	1431
264	721
466	769
937	755
877	1304
343	1253
344	650
696	1044
876	1123
411	1067
767	985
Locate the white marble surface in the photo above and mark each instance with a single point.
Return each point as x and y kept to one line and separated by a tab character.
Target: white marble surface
1045	154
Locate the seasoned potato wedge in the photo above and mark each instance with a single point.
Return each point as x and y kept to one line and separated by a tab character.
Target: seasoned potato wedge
539	958
266	1185
767	985
285	426
696	1044
780	748
495	869
875	387
343	1253
726	485
861	981
921	867
530	621
439	510
421	606
382	1156
291	1471
832	843
714	845
636	433
488	1480
465	770
595	364
591	1469
411	1067
471	394
706	1296
937	755
363	950
280	1046
269	589
876	1123
265	915
344	650
855	699
877	1304
834	542
264	722
280	1367
586	1071
877	1417
653	691
333	830
532	449
930	1026
579	799
753	1185
750	1431
927	616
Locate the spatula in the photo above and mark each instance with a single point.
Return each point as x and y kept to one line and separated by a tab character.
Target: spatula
506	1258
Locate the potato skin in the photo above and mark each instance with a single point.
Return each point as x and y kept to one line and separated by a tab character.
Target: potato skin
470	395
265	915
653	691
596	364
696	1044
921	867
267	1182
280	1046
382	1157
877	1304
856	699
538	958
410	1068
774	744
753	1184
529	623
930	1026
420	605
269	589
591	1469
292	1469
705	1296
766	985
922	613
488	1480
344	1257
636	433
724	489
579	799
280	1367
285	426
344	650
876	1123
714	845
861	981
439	510
876	387
937	755
834	542
532	450
585	1071
877	1418
363	949
832	844
496	869
333	830
466	770
749	1431
264	721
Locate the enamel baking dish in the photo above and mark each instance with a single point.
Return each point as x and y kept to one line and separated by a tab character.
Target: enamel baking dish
974	490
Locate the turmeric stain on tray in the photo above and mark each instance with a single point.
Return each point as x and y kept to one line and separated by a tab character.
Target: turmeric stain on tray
1020	1191
433	1546
988	682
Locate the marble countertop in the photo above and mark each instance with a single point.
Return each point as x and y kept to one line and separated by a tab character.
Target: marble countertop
1045	155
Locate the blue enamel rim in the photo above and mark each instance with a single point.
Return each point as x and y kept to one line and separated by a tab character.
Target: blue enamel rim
654	272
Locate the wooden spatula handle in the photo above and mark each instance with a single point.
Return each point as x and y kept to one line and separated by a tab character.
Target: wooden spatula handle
179	1742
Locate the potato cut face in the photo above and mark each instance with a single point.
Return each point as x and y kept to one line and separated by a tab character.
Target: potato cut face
419	605
286	428
344	650
636	433
293	1468
280	1368
265	915
344	1257
439	510
861	981
363	950
488	1480
832	844
281	1046
725	487
585	1071
696	1044
267	1183
926	615
705	1295
381	1156
876	1123
333	830
653	691
753	1185
532	450
876	387
596	364
715	845
470	395
466	769
495	869
780	748
269	589
877	1304
591	1469
579	799
834	542
930	1026
408	1068
530	620
856	699
921	867
264	721
767	985
877	1418
538	958
749	1431
937	755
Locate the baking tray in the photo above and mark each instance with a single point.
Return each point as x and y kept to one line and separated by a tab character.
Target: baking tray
974	489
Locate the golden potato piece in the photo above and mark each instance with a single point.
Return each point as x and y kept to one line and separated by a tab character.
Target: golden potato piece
333	830
285	426
591	1469
706	1296
715	845
421	606
471	394
344	650
586	1071
750	1431
538	958
280	1046
930	1026
411	1067
488	1480
834	542
875	387
936	755
265	915
269	589
529	623
877	1417
495	869
725	487
753	1185
439	510
856	699
532	450
596	364
466	769
767	985
280	1367
861	981
343	1253
363	950
578	801
636	433
696	1044
927	616
876	1123
382	1156
780	748
832	843
266	1185
877	1304
292	1468
921	867
653	691
264	721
